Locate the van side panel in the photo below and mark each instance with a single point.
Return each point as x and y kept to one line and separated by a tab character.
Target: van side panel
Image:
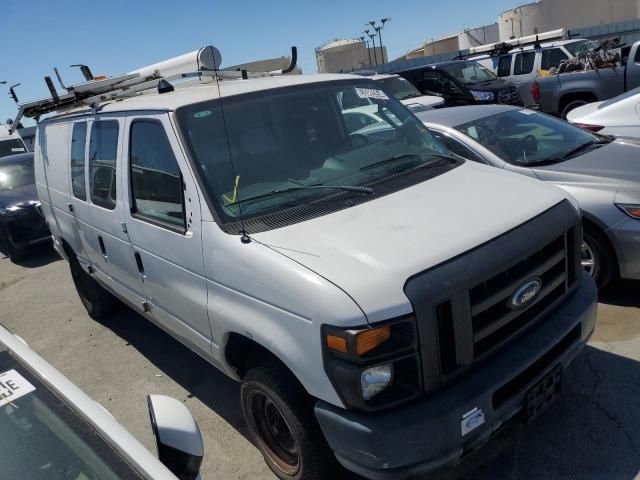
52	180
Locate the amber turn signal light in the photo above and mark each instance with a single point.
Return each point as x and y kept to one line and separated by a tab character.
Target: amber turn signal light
370	339
338	344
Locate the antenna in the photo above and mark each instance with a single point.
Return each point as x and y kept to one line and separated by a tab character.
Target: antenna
86	71
12	92
244	238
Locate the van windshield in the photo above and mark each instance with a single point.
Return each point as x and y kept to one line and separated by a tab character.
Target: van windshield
16	174
469	73
11	147
288	146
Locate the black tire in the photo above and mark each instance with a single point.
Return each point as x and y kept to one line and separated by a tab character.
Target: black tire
292	445
596	248
572	105
98	302
16	253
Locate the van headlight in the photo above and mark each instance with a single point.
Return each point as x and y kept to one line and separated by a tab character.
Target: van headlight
483	96
374	367
375	379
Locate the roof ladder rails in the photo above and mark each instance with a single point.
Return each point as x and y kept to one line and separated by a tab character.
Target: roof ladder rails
194	65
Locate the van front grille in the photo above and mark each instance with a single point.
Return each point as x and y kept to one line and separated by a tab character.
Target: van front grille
487	306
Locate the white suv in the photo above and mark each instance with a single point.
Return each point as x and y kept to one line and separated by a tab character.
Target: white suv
360	285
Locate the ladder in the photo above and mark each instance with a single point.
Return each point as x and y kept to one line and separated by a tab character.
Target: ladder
194	67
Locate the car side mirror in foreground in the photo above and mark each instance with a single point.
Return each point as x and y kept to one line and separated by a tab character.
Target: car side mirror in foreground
178	438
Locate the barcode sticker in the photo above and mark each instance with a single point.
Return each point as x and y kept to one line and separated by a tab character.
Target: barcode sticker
13	386
371	93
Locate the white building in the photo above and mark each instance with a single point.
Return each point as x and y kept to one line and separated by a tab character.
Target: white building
546	15
343	56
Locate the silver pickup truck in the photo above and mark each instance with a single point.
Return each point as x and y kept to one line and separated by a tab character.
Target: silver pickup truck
559	94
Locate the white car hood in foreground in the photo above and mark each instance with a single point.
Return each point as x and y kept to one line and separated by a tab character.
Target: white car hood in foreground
370	250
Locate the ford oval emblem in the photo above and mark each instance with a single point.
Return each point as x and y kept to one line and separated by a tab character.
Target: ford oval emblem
525	294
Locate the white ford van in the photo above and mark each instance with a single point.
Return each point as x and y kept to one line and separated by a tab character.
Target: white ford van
383	302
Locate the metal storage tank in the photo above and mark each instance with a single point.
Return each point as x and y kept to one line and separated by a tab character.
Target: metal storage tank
343	56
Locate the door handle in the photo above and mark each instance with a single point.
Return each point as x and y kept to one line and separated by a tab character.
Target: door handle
70	207
102	248
139	264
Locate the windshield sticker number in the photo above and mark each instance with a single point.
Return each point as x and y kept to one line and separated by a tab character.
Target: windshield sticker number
19	149
13	386
371	93
204	113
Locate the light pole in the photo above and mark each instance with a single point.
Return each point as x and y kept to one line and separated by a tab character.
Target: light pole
379	30
372	37
366	42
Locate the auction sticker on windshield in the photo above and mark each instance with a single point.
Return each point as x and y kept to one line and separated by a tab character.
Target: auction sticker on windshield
13	386
371	93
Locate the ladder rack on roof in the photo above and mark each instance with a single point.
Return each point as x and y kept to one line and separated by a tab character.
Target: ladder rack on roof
198	65
504	47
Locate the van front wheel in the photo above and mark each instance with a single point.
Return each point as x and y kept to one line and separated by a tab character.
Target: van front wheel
98	302
280	417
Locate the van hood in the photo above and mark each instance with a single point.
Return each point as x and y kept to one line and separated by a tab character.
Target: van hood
370	250
615	166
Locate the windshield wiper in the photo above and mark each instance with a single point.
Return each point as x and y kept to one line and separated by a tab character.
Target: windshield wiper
395	158
348	188
580	148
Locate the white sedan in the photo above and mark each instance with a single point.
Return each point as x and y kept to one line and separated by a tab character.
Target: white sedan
619	116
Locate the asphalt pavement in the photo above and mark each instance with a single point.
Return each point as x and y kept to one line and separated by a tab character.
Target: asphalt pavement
591	432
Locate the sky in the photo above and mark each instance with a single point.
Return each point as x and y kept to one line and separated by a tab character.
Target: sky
117	36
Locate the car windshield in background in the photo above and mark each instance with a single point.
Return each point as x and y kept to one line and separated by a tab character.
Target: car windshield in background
399	88
469	73
524	137
296	145
42	438
17	174
11	147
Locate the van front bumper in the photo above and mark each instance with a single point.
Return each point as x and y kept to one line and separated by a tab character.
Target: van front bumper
426	435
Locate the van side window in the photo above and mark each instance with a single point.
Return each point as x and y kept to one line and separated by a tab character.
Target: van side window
103	149
504	66
552	58
156	181
524	63
78	143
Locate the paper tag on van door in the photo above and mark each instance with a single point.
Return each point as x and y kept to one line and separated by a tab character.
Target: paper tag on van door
13	386
371	93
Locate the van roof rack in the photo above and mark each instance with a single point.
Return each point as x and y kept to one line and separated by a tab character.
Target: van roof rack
196	65
500	48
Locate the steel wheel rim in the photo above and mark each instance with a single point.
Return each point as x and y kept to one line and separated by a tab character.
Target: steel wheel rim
588	259
273	433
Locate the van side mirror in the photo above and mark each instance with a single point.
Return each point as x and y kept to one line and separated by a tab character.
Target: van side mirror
178	438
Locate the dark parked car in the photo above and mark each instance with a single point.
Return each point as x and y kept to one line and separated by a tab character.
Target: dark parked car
462	82
21	222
